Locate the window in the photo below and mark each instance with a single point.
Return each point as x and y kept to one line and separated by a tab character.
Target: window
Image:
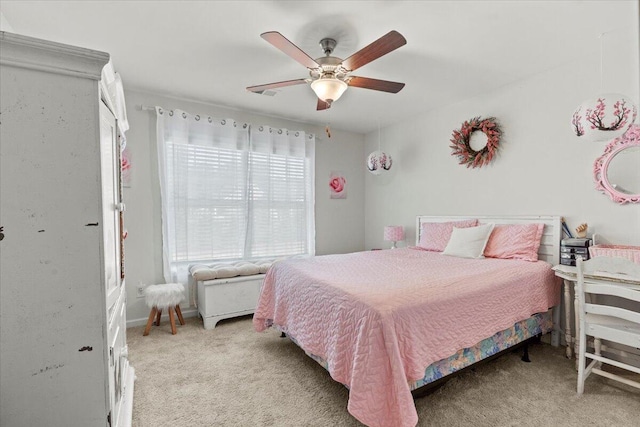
233	193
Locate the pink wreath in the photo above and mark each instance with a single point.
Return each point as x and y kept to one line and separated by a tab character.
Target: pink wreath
460	142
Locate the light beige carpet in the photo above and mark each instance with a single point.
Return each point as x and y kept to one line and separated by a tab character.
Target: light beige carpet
233	376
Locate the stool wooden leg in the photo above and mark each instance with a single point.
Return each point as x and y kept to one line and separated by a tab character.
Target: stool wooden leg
158	318
150	321
172	320
179	313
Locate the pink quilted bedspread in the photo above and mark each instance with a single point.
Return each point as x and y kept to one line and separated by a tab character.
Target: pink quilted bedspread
380	318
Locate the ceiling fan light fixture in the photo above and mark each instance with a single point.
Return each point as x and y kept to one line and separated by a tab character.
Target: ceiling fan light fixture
329	89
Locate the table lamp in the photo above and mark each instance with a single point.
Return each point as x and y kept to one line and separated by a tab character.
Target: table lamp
393	233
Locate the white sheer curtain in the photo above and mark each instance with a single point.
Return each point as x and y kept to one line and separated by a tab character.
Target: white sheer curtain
282	183
232	193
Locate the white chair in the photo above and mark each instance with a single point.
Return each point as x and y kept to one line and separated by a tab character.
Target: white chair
611	278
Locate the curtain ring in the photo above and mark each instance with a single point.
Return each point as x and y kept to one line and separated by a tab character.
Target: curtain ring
270	130
244	126
234	124
260	128
297	133
279	131
223	122
184	115
171	113
197	117
160	111
210	119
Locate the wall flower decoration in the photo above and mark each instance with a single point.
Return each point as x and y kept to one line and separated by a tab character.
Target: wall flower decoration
125	161
337	185
462	149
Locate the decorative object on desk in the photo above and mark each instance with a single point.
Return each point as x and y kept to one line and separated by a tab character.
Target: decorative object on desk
605	116
565	228
393	233
461	147
581	230
620	251
571	249
616	171
337	185
379	161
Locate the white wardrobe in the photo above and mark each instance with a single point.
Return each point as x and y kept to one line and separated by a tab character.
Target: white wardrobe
63	358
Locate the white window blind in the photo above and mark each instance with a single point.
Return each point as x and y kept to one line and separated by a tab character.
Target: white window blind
232	193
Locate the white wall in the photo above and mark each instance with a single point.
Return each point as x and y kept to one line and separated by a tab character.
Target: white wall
339	227
4	24
542	167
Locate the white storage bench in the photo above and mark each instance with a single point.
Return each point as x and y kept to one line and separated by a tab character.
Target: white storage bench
227	290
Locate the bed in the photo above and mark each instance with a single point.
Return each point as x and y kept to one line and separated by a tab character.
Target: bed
384	323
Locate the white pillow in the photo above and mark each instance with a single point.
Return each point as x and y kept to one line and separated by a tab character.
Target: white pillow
468	242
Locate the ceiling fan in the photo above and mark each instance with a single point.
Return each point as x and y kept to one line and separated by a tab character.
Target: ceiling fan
330	76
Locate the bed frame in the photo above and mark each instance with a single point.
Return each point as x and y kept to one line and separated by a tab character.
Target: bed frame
549	250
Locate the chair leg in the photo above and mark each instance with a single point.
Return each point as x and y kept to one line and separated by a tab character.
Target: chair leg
172	320
179	313
581	362
158	318
597	346
152	314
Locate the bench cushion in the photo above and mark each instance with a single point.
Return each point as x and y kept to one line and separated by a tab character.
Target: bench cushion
202	272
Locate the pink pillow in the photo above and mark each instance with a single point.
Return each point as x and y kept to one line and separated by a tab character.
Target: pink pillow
435	235
515	241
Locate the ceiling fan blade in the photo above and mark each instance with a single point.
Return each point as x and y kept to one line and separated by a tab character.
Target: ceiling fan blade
282	43
323	105
375	84
262	88
385	44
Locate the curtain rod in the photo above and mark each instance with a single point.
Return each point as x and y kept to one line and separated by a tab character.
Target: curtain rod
143	107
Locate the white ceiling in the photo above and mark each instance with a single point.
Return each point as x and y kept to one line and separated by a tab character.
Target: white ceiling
211	50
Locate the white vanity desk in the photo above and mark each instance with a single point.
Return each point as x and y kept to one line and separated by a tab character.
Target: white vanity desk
569	276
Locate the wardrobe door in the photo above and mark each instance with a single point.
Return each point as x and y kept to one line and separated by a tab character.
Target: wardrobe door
110	166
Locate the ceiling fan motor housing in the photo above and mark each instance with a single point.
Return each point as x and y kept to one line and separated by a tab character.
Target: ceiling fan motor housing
330	66
328	45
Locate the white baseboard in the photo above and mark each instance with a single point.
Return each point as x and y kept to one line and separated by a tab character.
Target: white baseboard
190	312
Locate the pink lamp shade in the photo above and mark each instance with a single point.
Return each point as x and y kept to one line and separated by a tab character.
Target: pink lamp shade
393	233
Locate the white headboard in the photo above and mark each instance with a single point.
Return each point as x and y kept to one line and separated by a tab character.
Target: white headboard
549	244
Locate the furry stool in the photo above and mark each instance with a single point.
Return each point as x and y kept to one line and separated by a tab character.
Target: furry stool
160	297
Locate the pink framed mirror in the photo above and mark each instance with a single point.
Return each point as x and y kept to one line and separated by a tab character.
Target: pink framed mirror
617	171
